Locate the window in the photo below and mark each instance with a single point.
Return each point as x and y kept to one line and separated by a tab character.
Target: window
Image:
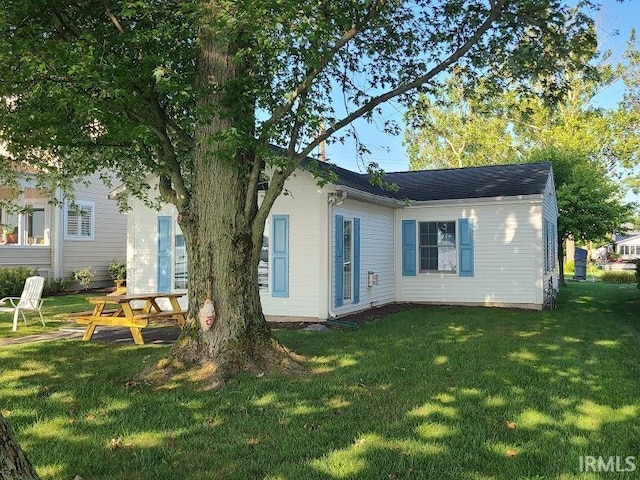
438	247
549	245
35	226
347	250
79	219
180	267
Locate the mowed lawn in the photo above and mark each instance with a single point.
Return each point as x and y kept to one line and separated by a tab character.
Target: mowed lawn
430	393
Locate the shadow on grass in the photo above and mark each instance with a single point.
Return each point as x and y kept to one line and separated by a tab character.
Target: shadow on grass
458	393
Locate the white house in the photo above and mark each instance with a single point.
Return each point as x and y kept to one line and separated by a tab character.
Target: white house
57	239
627	246
471	236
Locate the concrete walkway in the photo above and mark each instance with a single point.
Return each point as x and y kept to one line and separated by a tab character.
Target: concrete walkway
156	336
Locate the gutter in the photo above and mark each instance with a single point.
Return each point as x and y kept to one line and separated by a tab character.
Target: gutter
476	201
370	197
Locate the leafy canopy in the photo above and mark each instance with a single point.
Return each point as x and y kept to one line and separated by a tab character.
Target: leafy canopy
113	84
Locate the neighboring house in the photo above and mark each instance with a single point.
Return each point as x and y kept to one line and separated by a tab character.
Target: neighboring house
627	246
56	240
472	236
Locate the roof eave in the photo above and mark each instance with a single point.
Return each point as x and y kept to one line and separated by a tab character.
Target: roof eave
370	197
532	198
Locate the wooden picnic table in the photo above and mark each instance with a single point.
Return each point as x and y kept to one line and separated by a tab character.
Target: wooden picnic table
133	311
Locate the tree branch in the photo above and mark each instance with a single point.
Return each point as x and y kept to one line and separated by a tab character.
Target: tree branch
297	123
172	163
314	72
252	188
496	6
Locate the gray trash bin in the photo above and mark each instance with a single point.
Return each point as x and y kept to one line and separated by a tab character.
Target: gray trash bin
580	260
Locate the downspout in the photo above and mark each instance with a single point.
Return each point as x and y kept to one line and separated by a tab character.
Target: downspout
58	239
334	198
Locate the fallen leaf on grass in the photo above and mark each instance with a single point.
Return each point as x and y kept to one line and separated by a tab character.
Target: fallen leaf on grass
511	424
253	441
511	453
118	443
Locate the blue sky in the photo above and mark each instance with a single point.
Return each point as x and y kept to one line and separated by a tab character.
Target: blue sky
388	150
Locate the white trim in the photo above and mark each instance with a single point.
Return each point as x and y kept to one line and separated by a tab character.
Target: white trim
535	198
370	197
80	203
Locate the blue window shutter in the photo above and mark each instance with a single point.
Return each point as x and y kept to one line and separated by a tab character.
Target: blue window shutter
280	256
408	248
356	260
339	260
465	235
164	253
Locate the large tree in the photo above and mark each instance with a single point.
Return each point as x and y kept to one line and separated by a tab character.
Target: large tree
195	93
591	148
590	202
14	464
457	127
450	128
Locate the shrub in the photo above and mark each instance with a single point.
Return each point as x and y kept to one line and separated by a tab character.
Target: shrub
117	270
617	276
12	280
569	267
54	286
637	262
83	276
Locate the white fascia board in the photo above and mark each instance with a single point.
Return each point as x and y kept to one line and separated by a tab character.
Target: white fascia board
535	198
370	197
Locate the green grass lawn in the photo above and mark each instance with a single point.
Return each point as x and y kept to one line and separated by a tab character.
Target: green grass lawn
55	310
433	393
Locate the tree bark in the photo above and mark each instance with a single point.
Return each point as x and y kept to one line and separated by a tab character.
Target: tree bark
14	464
222	249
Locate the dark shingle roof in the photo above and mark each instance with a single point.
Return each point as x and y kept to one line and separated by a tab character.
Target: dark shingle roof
452	184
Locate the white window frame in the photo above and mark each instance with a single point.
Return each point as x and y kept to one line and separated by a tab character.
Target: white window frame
177	232
455	247
347	279
80	203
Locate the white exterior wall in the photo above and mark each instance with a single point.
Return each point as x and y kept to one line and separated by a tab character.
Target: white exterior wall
376	255
142	246
109	240
550	213
306	205
630	242
506	253
58	257
33	256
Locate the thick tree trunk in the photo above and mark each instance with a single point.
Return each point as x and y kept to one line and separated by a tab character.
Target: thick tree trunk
220	223
14	464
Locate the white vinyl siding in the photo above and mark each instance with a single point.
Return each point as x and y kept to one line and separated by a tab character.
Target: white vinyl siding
548	240
306	206
109	233
376	254
505	260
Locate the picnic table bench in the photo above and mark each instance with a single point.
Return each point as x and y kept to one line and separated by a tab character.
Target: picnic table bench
133	311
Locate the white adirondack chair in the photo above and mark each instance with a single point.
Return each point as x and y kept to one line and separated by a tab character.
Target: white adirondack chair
29	301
